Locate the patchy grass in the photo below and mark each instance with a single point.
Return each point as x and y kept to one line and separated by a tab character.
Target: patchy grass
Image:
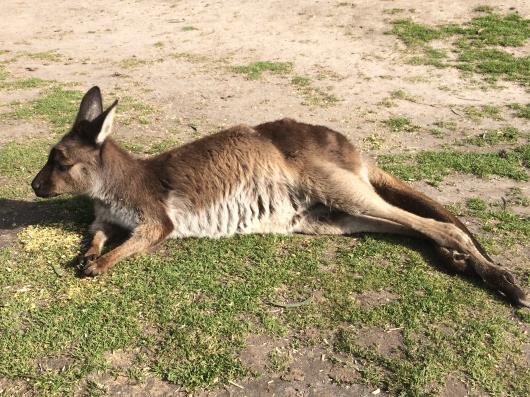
393	11
301	81
19	163
507	228
373	141
131	110
7	83
522	111
312	95
483	8
433	167
50	56
401	124
484	111
431	57
23	84
22	159
56	105
133	62
254	71
59	105
403	95
475	44
414	34
188	308
446	124
506	135
162	146
194	304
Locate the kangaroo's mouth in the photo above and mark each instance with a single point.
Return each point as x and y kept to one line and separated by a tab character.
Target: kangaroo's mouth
46	194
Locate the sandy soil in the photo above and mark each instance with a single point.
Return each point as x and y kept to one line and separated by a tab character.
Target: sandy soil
176	56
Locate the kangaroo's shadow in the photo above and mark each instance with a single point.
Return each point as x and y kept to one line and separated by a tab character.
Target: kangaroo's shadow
16	214
72	212
426	249
78	212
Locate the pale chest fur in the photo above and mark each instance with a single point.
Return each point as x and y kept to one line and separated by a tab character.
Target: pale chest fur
116	214
258	208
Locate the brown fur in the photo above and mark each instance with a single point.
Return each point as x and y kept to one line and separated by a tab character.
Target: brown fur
283	176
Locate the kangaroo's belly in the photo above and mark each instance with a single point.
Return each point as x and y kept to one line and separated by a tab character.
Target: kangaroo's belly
265	209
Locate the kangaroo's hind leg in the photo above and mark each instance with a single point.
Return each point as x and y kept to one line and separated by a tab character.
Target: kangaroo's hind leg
325	220
346	191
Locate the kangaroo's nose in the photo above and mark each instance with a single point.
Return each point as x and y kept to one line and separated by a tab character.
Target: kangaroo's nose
35	185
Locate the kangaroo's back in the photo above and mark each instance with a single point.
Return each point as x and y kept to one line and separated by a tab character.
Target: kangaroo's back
302	143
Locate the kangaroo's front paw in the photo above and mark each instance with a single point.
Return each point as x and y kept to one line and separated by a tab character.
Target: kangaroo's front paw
94	267
86	259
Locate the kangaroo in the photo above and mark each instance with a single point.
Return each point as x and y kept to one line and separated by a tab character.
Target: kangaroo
278	177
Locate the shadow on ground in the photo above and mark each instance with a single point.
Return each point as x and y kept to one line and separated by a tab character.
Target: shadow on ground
17	214
78	211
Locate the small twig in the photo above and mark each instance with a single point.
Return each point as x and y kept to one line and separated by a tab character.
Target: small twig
293	304
235	384
467	99
455	112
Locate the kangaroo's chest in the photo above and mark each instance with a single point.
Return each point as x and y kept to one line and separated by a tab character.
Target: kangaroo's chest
116	214
259	209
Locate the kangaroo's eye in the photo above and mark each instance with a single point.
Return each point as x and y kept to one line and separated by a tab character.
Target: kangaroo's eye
63	167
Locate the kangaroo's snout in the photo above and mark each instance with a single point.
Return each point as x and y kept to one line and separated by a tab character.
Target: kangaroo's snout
41	188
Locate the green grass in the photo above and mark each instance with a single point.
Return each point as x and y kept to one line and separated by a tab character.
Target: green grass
484	111
506	135
200	299
56	105
475	44
312	96
510	30
131	110
23	84
431	57
403	95
8	83
522	111
301	81
52	56
483	8
401	124
184	313
446	124
188	28
393	11
134	62
19	163
254	71
413	34
433	167
501	228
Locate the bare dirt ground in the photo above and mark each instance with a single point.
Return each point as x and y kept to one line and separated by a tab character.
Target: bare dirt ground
176	56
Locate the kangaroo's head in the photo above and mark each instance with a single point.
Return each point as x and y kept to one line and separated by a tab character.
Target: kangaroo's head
74	162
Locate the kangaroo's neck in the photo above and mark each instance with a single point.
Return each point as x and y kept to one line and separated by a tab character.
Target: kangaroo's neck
120	176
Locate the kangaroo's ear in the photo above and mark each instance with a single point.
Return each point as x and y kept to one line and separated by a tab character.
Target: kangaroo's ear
91	106
101	127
